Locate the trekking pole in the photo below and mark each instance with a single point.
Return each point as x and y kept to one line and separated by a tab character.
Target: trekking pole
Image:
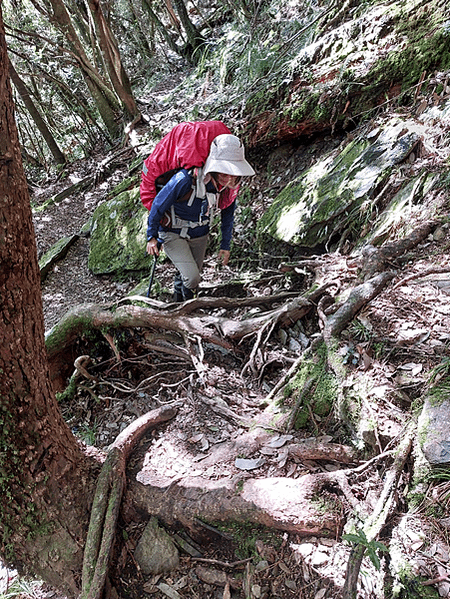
152	276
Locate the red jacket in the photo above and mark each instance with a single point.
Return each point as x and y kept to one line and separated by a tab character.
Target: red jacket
185	146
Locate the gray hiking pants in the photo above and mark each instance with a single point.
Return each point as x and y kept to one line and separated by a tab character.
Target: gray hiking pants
187	255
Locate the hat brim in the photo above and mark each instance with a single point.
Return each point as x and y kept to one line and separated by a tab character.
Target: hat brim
238	168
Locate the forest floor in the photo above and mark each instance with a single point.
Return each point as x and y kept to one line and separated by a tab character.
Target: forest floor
397	340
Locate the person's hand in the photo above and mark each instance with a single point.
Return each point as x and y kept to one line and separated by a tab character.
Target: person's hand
224	256
152	247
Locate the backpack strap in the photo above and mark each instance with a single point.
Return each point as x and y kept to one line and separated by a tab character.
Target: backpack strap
198	191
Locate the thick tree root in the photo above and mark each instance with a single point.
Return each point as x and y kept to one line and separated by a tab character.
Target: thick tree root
280	503
214	329
107	500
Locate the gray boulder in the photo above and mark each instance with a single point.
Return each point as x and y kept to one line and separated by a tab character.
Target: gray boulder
434	426
330	196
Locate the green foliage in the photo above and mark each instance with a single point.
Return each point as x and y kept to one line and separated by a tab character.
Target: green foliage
371	547
87	433
23	588
409	586
69	391
440	371
424	51
360	331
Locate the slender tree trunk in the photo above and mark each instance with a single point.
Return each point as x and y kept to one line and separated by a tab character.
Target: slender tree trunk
113	61
172	15
45	479
144	39
195	38
36	116
147	7
104	98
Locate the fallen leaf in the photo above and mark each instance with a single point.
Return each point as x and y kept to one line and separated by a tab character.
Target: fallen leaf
268	451
277	442
211	576
168	591
413	367
249	464
284	567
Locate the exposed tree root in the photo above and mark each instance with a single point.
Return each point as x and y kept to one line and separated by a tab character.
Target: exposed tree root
281	503
377	258
358	298
422	274
307	388
332	452
214	329
385	504
107	500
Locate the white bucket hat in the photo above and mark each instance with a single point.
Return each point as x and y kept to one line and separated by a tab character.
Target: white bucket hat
227	156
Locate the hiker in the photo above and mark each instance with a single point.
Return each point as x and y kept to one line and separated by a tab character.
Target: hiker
181	212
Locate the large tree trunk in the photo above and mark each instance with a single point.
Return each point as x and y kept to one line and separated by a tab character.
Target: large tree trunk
36	116
45	479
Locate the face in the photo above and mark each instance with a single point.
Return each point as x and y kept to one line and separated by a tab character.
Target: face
227	180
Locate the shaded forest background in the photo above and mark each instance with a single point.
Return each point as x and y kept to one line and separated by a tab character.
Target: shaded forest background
90	82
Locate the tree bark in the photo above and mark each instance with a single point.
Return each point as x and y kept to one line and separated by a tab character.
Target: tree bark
147	7
110	50
280	503
46	480
195	38
104	98
36	116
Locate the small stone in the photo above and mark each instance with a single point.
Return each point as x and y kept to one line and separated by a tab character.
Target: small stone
439	234
262	565
156	552
328	542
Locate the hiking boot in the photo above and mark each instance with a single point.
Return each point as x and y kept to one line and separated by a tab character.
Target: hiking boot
178	289
189	293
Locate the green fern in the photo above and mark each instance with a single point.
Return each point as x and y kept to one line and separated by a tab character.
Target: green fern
372	547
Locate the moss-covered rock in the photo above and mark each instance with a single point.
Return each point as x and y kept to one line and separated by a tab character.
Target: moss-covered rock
55	253
403	211
118	235
434	424
329	197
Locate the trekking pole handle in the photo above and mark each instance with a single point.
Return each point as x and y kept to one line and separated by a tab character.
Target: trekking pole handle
151	246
